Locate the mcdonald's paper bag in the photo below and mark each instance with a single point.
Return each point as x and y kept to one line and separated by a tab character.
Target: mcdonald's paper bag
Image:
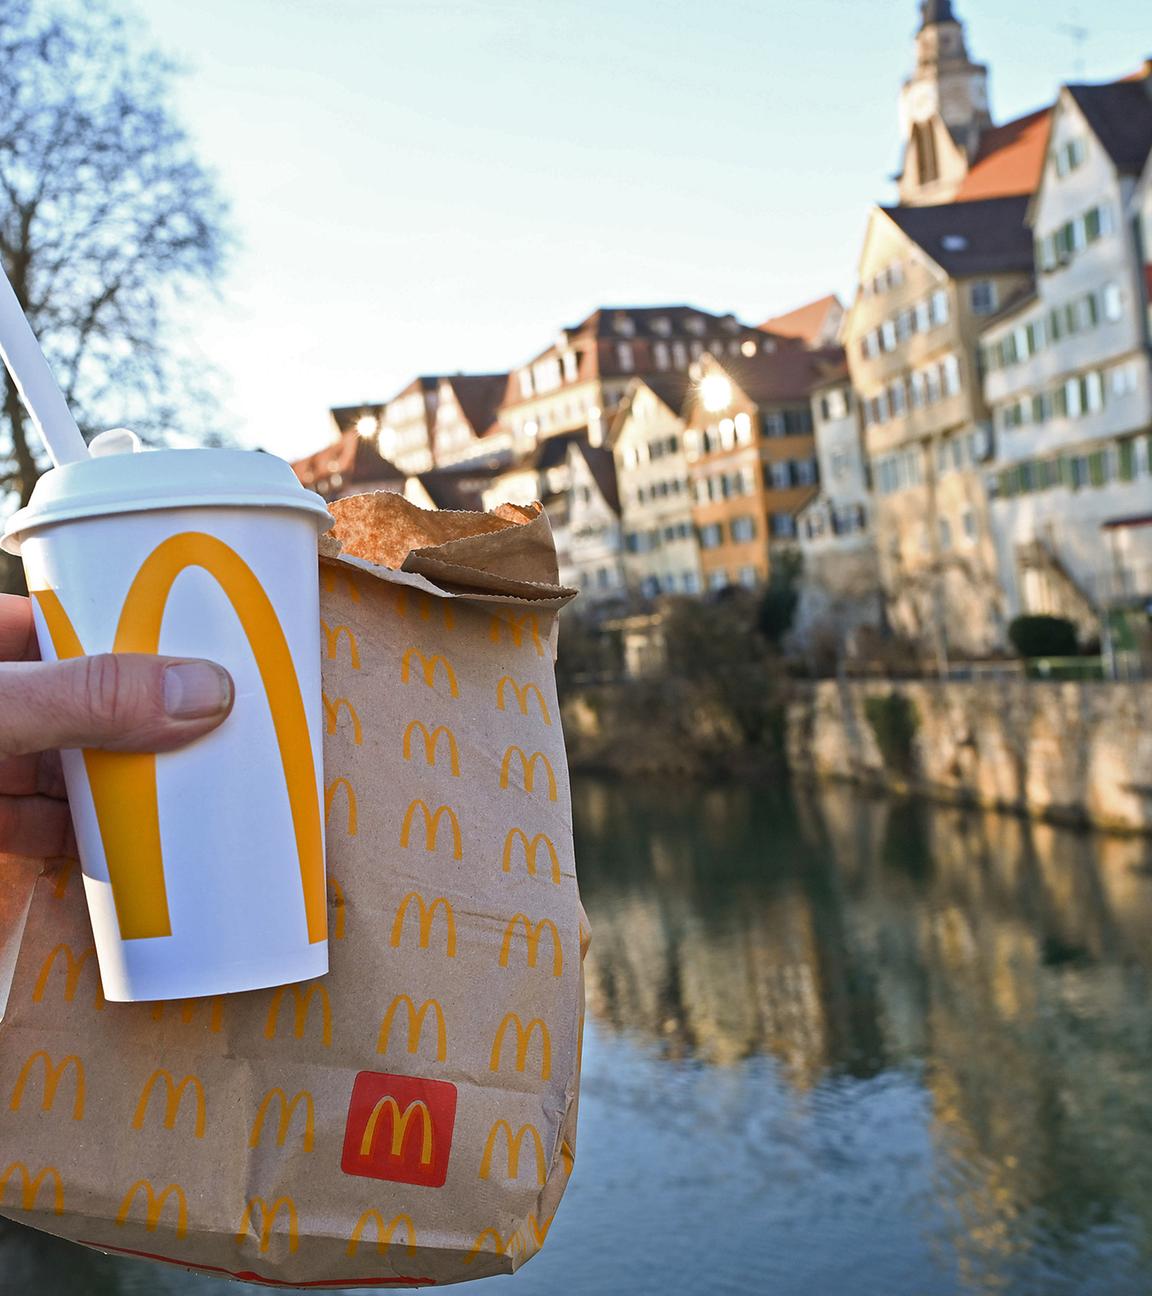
411	1117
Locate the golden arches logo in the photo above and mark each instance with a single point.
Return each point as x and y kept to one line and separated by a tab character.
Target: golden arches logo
73	967
426	914
431	826
287	1110
521	692
384	1232
63	877
527	770
516	626
523	1039
173	1099
124	783
428	667
188	1011
30	1187
329	580
336	895
332	709
513	1244
400	1121
431	743
53	1074
332	637
154	1205
513	1143
532	935
302	999
351	821
416	1018
531	847
258	1207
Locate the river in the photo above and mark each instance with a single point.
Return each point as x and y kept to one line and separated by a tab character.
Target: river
838	1046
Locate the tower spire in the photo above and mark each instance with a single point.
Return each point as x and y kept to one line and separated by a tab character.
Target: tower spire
936	11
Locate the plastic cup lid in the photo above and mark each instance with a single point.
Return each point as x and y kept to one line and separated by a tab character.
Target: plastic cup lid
162	479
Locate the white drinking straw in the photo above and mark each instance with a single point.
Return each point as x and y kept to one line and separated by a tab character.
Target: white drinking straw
33	378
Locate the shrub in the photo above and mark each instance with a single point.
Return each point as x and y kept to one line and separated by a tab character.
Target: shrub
1043	636
894	722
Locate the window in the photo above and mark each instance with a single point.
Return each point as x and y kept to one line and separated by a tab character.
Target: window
661	356
679	355
968	524
1069	156
923	316
743	425
924	147
779	475
743	529
1093	392
916	389
983	297
950	375
1112	302
690	582
570	366
945	533
938	307
1123	380
774	424
624	356
718	580
525	382
805	472
897	401
748	577
711	536
888	335
783	525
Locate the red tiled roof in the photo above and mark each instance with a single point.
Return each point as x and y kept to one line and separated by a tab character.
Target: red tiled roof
351	460
1009	161
806	322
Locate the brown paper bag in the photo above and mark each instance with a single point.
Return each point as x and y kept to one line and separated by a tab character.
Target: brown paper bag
411	1117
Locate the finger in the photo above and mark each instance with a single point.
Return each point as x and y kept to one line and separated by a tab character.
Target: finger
115	701
17	629
35	826
37	772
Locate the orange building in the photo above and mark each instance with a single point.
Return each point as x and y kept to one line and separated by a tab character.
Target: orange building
751	457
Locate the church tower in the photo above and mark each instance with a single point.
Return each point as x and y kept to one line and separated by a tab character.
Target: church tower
943	108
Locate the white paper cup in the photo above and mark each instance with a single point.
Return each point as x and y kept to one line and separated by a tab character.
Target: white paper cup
204	867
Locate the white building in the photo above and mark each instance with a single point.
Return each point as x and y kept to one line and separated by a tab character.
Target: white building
661	553
592	562
1067	373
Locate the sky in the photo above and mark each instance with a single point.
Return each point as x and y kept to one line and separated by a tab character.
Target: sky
435	186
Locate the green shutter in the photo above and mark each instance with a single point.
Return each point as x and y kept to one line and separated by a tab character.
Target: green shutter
1127	460
1096	473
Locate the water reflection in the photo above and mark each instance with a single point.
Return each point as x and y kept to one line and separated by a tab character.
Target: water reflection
1008	964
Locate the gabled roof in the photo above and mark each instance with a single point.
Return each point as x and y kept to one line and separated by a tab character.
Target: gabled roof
807	322
479	397
1120	115
1010	159
347	416
352	460
602	466
671	388
553	450
786	374
970	238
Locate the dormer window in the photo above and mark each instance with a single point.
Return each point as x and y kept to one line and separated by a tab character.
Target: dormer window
954	243
694	324
624	325
662	325
730	324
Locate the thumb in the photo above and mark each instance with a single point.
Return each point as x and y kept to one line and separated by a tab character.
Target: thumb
117	701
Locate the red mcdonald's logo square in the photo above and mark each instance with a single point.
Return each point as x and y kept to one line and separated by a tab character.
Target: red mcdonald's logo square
399	1128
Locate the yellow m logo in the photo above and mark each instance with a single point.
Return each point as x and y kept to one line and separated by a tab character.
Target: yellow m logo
490	1240
426	915
30	1188
383	1232
350	823
154	1205
287	1109
175	1096
73	967
415	1025
124	784
332	641
516	625
523	1039
522	692
531	848
431	742
329	579
428	666
303	1002
400	1121
527	770
513	1143
332	709
53	1074
431	826
532	936
258	1209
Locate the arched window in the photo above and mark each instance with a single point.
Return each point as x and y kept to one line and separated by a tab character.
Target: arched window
924	142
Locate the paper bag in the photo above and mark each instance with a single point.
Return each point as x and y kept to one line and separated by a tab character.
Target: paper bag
411	1117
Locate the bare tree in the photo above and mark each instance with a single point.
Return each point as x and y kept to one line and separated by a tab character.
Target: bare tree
109	225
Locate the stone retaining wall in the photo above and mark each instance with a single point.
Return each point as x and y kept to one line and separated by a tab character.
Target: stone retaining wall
1076	753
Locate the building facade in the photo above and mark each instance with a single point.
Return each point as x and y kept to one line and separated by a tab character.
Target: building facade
594	562
751	458
930	277
466	428
660	551
1068	377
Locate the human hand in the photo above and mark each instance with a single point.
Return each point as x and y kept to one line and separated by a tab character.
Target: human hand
118	702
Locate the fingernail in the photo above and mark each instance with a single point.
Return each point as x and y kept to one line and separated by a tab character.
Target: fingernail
194	690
